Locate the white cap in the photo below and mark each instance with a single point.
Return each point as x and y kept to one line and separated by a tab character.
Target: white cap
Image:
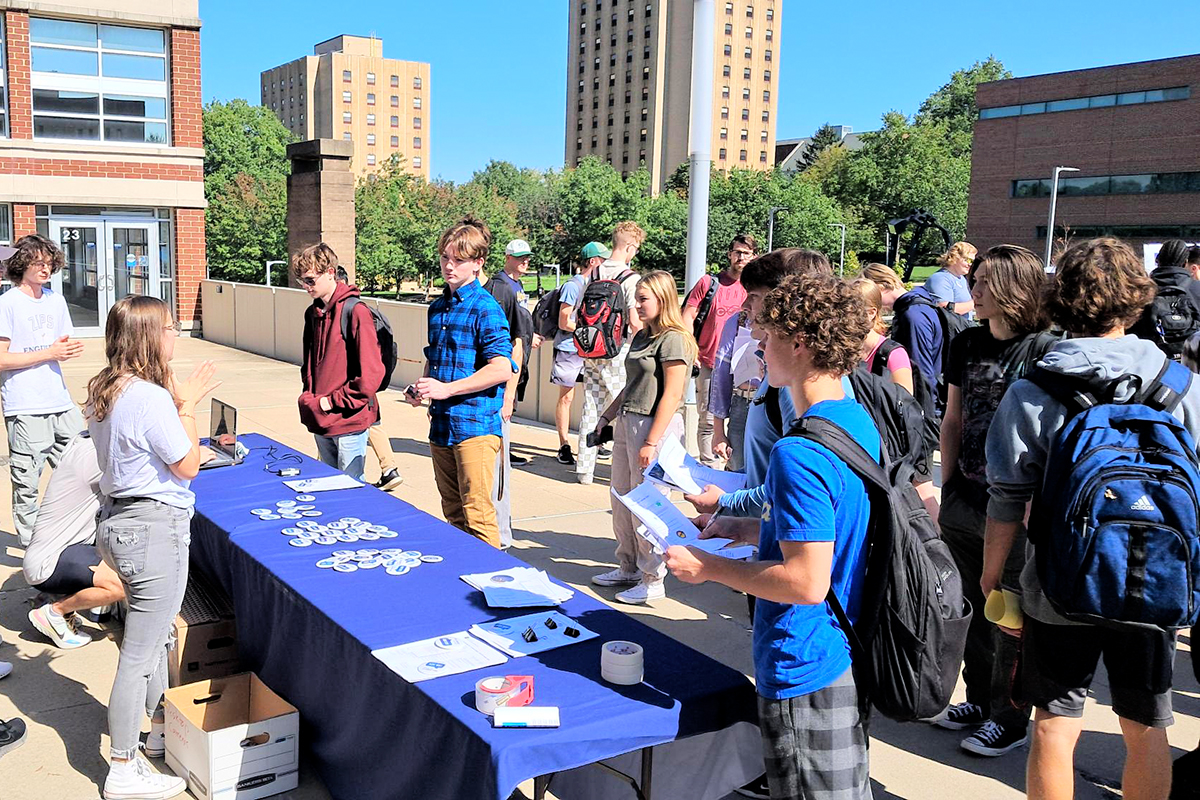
518	248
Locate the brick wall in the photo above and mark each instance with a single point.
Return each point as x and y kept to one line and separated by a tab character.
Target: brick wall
185	88
189	264
20	98
24	222
101	169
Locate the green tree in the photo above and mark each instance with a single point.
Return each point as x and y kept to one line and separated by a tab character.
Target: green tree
954	103
824	139
592	199
245	184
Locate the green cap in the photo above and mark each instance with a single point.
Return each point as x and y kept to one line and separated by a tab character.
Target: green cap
593	249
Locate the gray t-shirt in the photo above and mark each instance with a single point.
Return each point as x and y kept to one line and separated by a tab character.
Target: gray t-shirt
67	514
569	294
946	287
644	369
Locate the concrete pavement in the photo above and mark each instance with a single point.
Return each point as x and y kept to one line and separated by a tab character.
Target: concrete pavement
562	527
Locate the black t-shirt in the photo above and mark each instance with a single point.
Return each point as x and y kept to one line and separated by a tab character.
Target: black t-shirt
983	367
520	324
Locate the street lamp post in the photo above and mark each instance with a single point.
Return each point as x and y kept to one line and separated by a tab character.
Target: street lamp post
842	257
1053	204
269	265
771	225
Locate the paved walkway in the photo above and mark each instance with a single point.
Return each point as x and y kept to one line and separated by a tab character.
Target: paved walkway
562	527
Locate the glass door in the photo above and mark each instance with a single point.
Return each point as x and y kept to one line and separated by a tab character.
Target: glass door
133	259
82	282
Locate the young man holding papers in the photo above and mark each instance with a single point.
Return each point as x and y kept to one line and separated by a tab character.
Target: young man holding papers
812	540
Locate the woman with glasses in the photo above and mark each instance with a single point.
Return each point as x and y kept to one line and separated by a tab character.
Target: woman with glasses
143	421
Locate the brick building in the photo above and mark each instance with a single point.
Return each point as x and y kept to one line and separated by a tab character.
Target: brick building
101	148
1132	130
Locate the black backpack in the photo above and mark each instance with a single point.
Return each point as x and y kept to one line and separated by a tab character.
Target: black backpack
705	307
602	317
383	331
1173	317
907	646
897	415
545	313
931	425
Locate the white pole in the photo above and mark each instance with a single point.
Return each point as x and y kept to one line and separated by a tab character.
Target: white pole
1053	204
269	265
771	212
842	257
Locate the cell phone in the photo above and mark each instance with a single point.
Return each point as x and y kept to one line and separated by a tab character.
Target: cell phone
411	391
606	435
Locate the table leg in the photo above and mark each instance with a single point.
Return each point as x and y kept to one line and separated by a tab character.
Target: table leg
541	784
647	771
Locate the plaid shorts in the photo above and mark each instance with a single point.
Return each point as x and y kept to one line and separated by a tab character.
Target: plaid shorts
815	745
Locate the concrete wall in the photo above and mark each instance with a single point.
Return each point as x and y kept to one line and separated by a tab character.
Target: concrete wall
269	321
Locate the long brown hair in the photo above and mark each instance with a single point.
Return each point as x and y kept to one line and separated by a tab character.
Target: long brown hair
133	345
1017	281
661	284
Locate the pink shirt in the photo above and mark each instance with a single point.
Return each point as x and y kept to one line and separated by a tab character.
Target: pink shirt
898	359
727	303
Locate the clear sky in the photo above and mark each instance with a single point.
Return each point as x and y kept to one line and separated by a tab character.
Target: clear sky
498	76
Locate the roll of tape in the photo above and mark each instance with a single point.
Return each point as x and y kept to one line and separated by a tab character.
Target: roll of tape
508	690
622	663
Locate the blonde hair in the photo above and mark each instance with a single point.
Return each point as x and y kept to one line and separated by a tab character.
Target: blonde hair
870	293
883	276
965	250
661	284
319	257
470	238
628	231
133	345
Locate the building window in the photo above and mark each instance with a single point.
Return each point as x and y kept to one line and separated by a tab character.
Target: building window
628	56
725	92
608	141
417	123
395	141
610	101
416	143
612	79
747	53
347	76
745	92
629	76
371	98
742	157
642	135
370	138
596	63
594	141
370	78
417	82
746	73
725	71
749	13
97	81
416	102
770	35
645	73
648	11
724	133
728	50
721	154
395	101
645	114
749	32
770	13
612	59
646	32
395	122
766	55
625	136
1092	101
595	123
766	95
745	135
626	116
347	117
763	138
767	75
625	158
646	52
645	93
729	8
370	159
745	113
613	21
346	135
1151	183
724	112
762	156
629	36
416	162
395	81
766	115
729	29
370	119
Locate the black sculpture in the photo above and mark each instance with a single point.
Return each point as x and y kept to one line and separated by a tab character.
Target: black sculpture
920	221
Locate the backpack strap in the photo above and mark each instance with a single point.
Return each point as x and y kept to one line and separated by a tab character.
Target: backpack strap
880	359
770	399
1077	395
1166	391
346	313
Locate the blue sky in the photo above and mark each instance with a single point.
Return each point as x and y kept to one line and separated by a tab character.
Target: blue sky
498	84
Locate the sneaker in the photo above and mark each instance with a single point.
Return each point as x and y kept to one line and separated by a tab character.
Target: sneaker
564	456
389	480
12	734
58	629
961	716
756	789
993	739
136	780
617	577
585	480
644	592
604	451
516	460
5	669
156	742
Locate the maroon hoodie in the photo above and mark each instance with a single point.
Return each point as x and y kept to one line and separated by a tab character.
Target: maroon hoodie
347	373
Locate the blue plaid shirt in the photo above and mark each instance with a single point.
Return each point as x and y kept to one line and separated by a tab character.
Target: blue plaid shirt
467	329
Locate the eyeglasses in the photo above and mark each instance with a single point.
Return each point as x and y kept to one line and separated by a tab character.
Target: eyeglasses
742	253
308	281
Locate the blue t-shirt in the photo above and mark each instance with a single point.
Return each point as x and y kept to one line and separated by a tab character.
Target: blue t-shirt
812	496
517	288
946	287
569	293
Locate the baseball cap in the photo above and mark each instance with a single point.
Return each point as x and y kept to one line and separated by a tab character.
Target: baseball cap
518	248
593	249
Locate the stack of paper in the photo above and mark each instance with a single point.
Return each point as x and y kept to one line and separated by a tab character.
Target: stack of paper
519	587
676	469
532	633
443	655
665	525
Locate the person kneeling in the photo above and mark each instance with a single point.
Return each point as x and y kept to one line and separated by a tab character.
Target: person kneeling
62	558
812	541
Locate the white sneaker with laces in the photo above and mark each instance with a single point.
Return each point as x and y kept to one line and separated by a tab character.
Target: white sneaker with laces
156	741
644	592
136	780
617	577
59	629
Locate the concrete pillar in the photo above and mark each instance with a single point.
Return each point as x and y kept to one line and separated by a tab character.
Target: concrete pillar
320	197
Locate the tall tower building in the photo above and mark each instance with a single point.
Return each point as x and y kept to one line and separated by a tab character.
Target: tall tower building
629	83
348	90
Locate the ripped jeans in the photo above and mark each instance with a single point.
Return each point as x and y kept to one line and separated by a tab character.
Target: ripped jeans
146	543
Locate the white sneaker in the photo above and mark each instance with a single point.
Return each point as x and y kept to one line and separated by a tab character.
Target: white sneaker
58	629
644	592
617	577
135	780
156	742
5	669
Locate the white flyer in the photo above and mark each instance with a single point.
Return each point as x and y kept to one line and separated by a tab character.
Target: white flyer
666	525
676	469
441	655
532	633
517	587
326	484
747	366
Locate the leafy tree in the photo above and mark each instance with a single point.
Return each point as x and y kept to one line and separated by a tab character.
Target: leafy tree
954	103
245	183
824	139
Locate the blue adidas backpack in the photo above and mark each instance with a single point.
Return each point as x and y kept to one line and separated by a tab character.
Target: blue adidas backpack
1115	525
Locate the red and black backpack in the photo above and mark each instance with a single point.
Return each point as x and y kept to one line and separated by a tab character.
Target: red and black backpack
601	317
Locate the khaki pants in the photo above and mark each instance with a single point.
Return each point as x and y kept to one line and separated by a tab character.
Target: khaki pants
634	552
704	419
382	445
464	474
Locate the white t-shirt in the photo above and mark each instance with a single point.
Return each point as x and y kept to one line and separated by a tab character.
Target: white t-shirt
32	325
67	513
136	443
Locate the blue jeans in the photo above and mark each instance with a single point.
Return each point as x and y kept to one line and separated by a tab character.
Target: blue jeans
347	452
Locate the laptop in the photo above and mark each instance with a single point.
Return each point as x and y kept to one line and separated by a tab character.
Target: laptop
222	439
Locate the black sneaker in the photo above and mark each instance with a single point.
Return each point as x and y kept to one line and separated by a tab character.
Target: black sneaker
756	789
12	735
961	716
565	456
604	451
389	480
993	739
516	460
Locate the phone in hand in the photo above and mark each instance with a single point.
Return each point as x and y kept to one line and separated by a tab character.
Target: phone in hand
411	391
595	440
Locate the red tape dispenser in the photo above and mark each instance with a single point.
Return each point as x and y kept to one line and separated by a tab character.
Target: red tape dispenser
509	690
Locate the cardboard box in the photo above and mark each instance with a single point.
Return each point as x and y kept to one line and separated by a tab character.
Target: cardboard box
205	636
232	738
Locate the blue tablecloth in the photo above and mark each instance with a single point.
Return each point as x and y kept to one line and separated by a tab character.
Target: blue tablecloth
309	633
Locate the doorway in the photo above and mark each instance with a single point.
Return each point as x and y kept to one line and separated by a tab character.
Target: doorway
106	259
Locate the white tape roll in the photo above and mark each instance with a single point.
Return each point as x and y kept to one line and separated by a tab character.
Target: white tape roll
493	692
622	663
